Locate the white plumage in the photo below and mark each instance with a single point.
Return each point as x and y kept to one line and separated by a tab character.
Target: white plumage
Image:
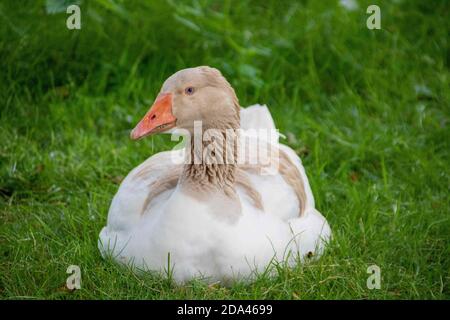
200	243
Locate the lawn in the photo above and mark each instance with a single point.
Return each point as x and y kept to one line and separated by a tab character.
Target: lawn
367	110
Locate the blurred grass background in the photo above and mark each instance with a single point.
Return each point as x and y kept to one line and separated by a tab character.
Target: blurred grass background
367	110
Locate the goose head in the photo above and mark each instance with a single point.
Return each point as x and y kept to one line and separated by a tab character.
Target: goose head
190	95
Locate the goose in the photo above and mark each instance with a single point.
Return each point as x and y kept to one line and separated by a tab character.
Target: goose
203	215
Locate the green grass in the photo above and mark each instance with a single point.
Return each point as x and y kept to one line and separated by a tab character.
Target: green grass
367	110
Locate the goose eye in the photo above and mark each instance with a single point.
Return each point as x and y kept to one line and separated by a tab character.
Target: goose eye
189	90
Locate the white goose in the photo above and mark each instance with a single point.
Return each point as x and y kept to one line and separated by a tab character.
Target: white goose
205	219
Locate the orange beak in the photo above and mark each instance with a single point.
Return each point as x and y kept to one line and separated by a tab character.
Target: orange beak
159	118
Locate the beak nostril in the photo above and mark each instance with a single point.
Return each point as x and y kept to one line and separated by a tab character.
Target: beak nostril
153	117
